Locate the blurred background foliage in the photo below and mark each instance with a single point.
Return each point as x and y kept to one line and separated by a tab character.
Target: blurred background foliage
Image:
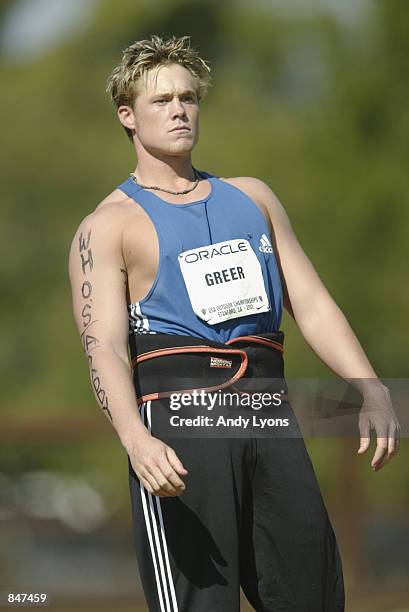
309	96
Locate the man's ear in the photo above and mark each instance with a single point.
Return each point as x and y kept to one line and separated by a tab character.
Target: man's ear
126	116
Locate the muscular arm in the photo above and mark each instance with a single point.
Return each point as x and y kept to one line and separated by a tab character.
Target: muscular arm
326	329
98	282
320	320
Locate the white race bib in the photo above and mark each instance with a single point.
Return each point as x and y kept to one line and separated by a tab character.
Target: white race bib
224	281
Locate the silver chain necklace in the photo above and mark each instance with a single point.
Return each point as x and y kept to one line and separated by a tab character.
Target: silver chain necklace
197	177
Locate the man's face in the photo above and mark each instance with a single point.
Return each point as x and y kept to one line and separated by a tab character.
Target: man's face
166	111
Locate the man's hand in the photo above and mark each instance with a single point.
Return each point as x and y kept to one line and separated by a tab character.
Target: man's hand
377	413
157	466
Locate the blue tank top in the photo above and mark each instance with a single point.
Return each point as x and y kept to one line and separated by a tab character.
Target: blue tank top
227	213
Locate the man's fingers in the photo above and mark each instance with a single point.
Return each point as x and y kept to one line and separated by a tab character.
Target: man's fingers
175	461
171	476
149	482
387	427
384	461
393	448
158	473
164	486
381	449
386	458
363	445
364	429
393	441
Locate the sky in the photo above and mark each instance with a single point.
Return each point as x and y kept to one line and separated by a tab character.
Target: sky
31	28
348	11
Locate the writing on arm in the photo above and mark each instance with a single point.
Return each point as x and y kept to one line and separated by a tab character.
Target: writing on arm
98	283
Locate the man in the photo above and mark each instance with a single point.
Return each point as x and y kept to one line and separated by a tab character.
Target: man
196	268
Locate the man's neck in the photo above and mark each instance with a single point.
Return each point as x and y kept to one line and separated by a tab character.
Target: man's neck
175	173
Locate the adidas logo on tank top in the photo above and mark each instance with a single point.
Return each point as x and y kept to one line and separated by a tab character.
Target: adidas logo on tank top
265	245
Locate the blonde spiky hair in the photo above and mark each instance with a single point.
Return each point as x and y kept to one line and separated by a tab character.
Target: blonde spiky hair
143	55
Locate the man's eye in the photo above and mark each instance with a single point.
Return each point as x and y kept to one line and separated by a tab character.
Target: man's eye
160	101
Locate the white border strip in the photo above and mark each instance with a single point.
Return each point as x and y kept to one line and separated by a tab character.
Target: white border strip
162	529
156	551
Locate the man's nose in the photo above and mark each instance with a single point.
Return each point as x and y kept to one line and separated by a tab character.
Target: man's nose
177	107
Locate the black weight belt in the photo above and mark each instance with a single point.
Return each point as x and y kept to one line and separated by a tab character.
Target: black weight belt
164	364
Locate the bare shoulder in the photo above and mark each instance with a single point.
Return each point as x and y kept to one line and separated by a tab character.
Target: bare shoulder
262	194
109	219
116	209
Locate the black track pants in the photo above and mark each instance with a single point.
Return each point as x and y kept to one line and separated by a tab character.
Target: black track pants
252	515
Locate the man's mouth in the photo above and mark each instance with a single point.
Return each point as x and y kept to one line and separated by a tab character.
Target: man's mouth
181	128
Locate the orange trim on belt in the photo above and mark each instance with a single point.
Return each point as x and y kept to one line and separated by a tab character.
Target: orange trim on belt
175	350
191	349
153	353
259	340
